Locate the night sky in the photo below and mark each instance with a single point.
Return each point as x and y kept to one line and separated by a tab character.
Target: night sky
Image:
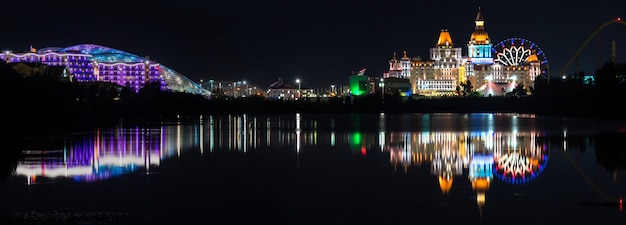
320	42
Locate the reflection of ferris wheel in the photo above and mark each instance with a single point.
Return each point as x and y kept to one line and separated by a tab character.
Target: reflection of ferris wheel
516	168
515	52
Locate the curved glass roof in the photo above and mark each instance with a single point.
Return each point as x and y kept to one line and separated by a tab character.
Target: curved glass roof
174	80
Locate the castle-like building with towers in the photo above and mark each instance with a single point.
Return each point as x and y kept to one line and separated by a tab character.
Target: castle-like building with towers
490	72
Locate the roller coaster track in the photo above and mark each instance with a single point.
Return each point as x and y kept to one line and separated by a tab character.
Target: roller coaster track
609	200
618	20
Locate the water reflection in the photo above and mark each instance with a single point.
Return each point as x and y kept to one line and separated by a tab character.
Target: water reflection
514	157
103	154
480	148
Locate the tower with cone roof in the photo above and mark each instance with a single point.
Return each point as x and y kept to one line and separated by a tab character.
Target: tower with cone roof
479	60
479	47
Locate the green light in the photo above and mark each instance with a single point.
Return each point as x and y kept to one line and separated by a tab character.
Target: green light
355	139
359	85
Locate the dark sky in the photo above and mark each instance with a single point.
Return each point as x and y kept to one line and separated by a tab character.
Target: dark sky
320	42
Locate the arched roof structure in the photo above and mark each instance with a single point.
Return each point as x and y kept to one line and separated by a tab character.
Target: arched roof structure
174	80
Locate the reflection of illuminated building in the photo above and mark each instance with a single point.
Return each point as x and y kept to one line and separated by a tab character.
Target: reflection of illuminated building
400	151
102	155
450	152
447	163
109	153
106	154
481	174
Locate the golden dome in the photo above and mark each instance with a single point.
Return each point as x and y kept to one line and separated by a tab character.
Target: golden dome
532	58
444	38
445	184
480	37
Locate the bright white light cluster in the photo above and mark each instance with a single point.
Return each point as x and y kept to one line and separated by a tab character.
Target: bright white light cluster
516	51
515	164
513	56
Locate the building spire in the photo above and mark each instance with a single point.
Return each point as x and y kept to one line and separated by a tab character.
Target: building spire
479	36
405	57
480	20
479	16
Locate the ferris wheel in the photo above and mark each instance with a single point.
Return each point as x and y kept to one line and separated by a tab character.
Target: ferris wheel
515	52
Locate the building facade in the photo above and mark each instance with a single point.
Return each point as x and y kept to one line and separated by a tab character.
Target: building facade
94	63
440	75
489	71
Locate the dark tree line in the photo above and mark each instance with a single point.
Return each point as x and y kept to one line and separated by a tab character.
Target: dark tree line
51	99
580	96
34	102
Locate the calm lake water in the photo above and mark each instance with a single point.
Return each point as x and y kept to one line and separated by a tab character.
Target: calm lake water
327	169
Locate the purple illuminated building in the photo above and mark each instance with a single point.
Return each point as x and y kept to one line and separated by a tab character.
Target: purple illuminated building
94	63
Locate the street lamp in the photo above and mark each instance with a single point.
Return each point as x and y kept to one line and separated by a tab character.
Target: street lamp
382	88
298	82
246	92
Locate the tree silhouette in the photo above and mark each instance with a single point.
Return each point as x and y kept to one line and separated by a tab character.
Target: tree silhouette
540	86
607	81
465	88
520	90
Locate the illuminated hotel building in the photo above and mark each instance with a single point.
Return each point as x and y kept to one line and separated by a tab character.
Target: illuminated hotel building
80	65
497	76
399	68
491	69
398	78
94	63
441	75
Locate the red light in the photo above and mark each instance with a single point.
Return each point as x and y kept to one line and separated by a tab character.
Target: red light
618	19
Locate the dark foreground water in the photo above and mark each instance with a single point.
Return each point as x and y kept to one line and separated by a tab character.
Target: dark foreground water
325	169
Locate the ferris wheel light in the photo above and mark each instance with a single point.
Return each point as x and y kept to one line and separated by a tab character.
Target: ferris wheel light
515	52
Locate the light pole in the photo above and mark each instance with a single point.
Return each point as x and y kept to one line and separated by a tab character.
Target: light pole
382	88
246	92
298	82
201	87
